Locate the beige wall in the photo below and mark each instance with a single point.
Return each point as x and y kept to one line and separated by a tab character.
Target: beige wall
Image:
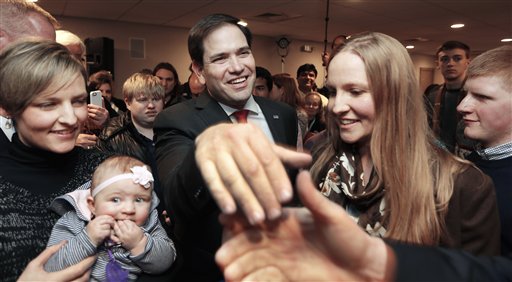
170	44
423	61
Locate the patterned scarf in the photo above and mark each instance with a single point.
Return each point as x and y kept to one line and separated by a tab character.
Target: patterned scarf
344	185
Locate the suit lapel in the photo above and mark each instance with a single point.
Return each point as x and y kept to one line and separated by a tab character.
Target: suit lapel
210	111
273	118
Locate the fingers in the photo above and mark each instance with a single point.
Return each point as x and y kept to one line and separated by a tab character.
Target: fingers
43	257
321	208
291	157
125	226
340	230
268	273
273	175
248	263
232	172
114	238
84	277
166	218
87	138
249	183
106	221
97	114
77	271
216	187
236	222
86	141
35	271
233	225
242	167
237	246
93	108
117	228
120	230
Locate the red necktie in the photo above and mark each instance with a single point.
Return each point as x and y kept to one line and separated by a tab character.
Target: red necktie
241	116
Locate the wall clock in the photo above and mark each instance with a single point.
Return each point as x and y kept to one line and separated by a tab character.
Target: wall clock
283	42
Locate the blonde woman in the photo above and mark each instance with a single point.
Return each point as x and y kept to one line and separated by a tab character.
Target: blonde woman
381	165
43	161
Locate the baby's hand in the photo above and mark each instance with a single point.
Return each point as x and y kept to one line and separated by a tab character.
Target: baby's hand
130	236
100	228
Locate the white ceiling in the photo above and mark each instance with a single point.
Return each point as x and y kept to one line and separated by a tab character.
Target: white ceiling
486	21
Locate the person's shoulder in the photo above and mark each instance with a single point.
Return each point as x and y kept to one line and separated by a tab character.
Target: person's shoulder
473	156
432	88
182	108
115	125
473	181
184	115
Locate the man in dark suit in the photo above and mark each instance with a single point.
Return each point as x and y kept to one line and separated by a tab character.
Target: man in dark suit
221	55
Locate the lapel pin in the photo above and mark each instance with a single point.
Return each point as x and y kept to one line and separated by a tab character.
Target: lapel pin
275	116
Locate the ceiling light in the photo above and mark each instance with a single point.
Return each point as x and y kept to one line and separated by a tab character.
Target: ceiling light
242	23
459	25
506	40
409	47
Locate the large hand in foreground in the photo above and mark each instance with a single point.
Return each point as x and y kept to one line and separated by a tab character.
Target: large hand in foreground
322	243
35	269
241	166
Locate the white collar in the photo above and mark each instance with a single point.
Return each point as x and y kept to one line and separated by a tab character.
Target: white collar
497	152
250	105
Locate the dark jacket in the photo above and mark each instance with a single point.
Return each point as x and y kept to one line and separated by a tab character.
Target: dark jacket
186	197
416	263
121	137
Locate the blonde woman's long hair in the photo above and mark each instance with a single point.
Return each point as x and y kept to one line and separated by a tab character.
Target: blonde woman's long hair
417	176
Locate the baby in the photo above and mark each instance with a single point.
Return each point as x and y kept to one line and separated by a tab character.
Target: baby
117	220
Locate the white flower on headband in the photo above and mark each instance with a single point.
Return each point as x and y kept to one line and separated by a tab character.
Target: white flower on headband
142	176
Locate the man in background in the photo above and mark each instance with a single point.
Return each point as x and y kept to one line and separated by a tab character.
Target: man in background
337	42
263	84
306	76
193	87
170	80
453	60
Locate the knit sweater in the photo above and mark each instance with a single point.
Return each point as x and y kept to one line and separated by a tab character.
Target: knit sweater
501	173
29	181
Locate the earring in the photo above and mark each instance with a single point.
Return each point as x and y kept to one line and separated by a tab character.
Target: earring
8	123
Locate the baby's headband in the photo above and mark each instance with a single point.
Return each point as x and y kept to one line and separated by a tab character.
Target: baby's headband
140	175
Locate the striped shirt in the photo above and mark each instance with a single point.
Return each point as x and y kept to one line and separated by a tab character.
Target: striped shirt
496	153
157	257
